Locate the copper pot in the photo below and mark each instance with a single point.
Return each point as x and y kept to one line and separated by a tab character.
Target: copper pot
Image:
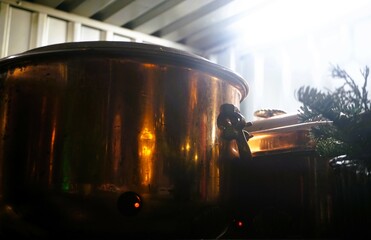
115	138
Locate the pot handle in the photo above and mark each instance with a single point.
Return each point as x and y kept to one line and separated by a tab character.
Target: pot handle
232	125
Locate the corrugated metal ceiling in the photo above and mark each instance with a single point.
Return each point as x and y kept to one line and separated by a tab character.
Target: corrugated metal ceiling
200	24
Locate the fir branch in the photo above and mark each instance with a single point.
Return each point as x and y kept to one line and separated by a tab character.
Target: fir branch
347	107
365	100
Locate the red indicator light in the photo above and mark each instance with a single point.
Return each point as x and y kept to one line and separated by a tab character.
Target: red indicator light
239	223
136	205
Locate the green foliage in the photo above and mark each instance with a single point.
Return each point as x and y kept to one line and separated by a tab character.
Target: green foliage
348	109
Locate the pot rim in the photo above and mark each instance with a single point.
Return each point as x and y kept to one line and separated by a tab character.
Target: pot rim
142	51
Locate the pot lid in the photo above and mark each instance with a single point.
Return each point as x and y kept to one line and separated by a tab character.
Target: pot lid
142	51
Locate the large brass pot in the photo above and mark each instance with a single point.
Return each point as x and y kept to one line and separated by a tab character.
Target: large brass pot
115	138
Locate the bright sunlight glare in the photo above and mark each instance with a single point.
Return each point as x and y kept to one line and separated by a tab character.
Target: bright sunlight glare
283	19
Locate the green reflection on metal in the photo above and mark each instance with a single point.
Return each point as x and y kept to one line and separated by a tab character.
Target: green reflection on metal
66	169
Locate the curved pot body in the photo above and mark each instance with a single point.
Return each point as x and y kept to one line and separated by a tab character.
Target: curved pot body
111	137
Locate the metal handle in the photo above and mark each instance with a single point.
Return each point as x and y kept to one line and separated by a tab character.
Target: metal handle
232	124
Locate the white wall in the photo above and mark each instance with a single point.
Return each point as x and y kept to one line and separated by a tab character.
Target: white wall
24	25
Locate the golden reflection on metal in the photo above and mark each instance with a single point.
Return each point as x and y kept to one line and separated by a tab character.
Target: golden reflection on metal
187	147
19	71
295	140
4	114
146	148
190	114
147	138
255	142
51	157
149	65
146	135
160	118
193	93
212	133
215	108
62	71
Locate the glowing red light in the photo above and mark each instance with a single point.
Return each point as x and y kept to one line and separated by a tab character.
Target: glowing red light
239	223
136	205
